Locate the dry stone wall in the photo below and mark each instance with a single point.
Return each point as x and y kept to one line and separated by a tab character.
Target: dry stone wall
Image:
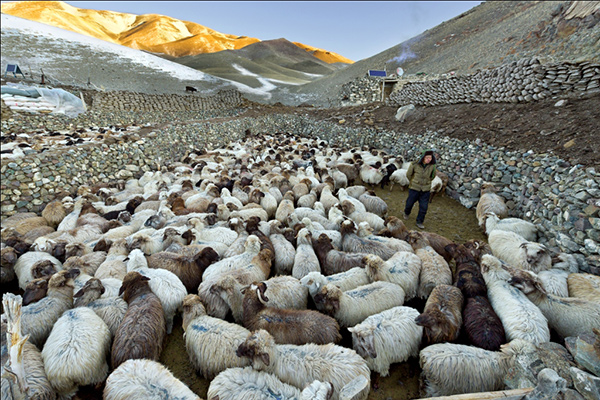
520	81
128	101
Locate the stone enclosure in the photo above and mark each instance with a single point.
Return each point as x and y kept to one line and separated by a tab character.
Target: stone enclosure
563	200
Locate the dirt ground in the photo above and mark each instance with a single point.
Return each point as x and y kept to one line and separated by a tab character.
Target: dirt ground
570	131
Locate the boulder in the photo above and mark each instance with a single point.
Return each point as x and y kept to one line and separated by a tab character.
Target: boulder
586	351
404	112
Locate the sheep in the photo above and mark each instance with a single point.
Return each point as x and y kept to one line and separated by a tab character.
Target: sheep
285	207
351	171
143	329
285	251
353	306
36	290
346	280
237	247
467	274
365	231
399	177
334	235
520	318
555	282
110	309
373	203
371	174
518	252
54	213
449	368
188	269
565	262
305	260
482	325
441	318
254	227
9	258
438	185
286	325
75	352
210	342
352	243
489	201
145	380
568	316
358	216
87	263
215	306
333	261
212	233
163	283
114	266
519	226
38	318
434	269
300	365
24	358
391	336
27	262
394	227
327	198
249	384
402	269
585	286
282	291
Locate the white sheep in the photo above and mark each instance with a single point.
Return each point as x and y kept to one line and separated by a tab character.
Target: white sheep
249	384
520	318
403	269
76	351
490	202
434	268
555	281
315	231
164	284
210	342
285	292
24	265
38	318
353	306
517	225
143	379
518	252
305	260
568	316
399	177
449	368
390	336
299	365
347	280
285	251
366	231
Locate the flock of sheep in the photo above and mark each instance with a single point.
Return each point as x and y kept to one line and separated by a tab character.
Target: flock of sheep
269	249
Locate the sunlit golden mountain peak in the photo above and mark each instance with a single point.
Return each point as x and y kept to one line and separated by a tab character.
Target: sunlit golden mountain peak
150	32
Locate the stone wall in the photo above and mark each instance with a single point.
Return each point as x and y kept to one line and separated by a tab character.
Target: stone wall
520	81
563	200
360	91
127	101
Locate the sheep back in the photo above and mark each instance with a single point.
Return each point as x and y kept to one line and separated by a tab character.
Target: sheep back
76	351
145	380
391	336
442	315
482	325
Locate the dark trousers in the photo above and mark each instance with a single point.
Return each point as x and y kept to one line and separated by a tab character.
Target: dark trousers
423	198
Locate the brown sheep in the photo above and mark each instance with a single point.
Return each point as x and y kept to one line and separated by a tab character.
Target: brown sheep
8	259
188	268
438	242
333	261
35	290
441	318
394	228
478	248
143	329
287	326
87	263
467	276
252	228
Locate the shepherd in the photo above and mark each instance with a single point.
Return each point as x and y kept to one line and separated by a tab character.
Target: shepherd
420	174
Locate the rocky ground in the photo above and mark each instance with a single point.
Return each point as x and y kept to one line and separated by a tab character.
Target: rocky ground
569	131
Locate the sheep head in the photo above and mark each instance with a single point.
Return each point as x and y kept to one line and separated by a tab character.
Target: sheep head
417	240
35	290
373	264
8	257
304	237
526	281
537	255
257	347
348	207
252	244
75	249
478	248
63	278
324	242
206	257
363	342
328	297
42	269
348	226
133	283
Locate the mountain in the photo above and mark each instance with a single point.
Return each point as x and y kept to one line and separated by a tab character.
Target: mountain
150	32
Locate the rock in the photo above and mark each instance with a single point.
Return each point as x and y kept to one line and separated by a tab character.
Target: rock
586	384
560	103
548	387
404	112
586	351
569	144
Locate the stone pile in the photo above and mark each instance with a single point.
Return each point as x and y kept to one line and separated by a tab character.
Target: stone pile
361	91
520	81
130	101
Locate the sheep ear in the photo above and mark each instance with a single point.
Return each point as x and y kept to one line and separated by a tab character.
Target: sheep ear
523	245
79	293
265	359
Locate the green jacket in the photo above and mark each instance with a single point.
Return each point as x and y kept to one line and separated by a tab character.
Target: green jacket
420	175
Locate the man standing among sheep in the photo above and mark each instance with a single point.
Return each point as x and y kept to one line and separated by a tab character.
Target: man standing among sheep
420	174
